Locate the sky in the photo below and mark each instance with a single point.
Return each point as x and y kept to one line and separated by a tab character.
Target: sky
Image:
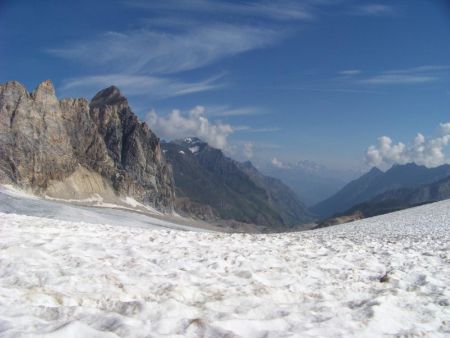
348	84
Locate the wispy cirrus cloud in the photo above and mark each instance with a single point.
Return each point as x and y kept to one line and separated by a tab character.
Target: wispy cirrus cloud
373	9
415	75
154	52
228	111
354	80
249	129
137	85
176	36
407	76
387	79
350	72
280	10
146	59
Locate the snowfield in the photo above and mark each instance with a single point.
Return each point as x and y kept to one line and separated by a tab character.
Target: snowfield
385	276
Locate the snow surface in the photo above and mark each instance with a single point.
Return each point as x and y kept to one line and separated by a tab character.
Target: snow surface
77	279
19	202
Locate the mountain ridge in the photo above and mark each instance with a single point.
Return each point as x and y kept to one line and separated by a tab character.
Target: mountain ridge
376	182
74	148
230	190
403	198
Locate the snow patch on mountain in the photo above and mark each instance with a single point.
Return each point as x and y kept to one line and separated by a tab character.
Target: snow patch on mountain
194	150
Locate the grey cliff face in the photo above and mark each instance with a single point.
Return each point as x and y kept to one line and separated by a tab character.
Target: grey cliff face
44	140
34	144
134	148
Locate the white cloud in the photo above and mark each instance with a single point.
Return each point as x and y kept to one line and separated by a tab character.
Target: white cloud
279	164
177	125
422	151
138	85
241	150
247	150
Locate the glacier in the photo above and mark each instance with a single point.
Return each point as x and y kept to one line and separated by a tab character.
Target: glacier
69	271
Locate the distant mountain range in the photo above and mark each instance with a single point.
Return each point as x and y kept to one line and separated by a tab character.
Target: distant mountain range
398	199
378	192
312	182
210	185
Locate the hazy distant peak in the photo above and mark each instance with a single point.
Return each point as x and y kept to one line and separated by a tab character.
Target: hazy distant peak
193	144
193	140
308	165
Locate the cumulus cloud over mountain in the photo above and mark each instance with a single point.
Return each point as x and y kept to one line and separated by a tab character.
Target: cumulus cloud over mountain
429	152
194	123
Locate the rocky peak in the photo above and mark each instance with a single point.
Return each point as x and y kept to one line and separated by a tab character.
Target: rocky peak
108	96
14	86
12	91
45	93
44	143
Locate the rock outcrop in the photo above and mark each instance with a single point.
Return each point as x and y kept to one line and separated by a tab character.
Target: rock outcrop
71	148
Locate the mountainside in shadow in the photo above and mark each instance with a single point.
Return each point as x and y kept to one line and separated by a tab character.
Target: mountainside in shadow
291	209
376	182
210	185
77	150
398	199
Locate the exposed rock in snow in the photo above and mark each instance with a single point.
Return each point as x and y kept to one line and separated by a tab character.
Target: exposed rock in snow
384	276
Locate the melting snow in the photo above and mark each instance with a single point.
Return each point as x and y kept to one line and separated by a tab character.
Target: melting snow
384	276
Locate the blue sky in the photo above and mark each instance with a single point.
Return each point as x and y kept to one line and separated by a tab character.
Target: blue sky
317	80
